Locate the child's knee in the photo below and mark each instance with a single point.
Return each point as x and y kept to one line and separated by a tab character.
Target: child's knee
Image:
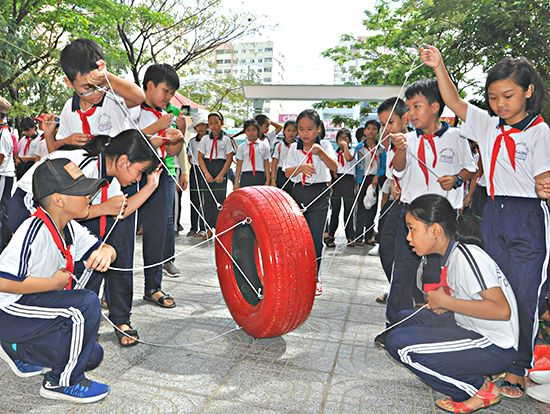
96	356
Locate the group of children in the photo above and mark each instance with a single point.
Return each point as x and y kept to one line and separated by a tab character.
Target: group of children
484	287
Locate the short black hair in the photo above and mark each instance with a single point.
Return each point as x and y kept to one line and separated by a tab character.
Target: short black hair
429	89
388	104
26	124
80	56
359	134
373	122
161	72
262	119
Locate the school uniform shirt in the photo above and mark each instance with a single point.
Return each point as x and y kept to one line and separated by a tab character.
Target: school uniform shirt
193	150
345	166
41	148
148	116
297	156
280	151
271	137
389	163
32	252
27	146
530	146
88	165
7	168
371	158
450	155
104	118
471	271
216	150
261	153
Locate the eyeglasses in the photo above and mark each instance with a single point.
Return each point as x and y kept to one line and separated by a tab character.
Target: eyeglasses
88	92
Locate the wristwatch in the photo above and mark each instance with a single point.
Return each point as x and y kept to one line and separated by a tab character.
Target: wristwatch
459	181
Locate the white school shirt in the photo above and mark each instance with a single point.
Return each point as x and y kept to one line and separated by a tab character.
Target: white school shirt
261	153
371	165
532	156
453	155
147	116
88	165
32	144
108	118
7	168
280	152
471	271
32	252
349	166
224	147
193	150
296	157
271	137
42	148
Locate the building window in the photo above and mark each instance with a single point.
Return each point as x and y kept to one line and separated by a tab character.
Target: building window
269	49
218	61
227	61
219	71
267	70
227	71
267	80
267	60
259	60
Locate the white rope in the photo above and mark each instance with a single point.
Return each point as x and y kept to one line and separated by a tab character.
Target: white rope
245	221
237	328
403	320
296	172
260	296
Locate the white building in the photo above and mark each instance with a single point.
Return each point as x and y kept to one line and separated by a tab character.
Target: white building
260	58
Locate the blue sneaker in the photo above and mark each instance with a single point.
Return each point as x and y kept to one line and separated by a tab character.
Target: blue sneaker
86	391
19	368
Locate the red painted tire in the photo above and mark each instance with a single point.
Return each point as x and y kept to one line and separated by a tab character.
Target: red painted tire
276	253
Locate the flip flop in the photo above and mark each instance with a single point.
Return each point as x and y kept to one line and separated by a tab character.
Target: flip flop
129	332
508	384
148	296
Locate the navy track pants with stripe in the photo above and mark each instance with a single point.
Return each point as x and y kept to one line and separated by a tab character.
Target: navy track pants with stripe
447	357
516	236
55	329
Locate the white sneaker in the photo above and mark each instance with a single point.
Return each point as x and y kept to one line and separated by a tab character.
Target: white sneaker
540	392
374	251
540	377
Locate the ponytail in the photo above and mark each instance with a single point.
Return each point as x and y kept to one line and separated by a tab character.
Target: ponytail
433	208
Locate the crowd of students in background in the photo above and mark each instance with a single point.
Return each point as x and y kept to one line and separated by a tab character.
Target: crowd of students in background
489	272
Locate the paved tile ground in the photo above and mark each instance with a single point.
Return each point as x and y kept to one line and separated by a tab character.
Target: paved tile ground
328	365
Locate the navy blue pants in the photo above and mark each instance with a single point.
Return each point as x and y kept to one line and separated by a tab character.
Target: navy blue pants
447	357
55	329
196	193
153	219
516	238
169	246
387	229
403	288
219	191
365	218
344	189
281	180
6	184
316	214
248	178
18	211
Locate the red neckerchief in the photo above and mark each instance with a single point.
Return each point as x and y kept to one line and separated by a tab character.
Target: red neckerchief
162	132
510	146
422	154
341	159
41	214
214	146
4	126
308	161
252	157
373	153
84	118
29	140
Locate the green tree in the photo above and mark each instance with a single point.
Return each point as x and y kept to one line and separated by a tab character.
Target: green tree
224	94
469	34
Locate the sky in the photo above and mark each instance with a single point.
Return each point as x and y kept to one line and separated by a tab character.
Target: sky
305	29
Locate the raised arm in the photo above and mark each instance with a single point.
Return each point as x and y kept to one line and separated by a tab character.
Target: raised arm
432	58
